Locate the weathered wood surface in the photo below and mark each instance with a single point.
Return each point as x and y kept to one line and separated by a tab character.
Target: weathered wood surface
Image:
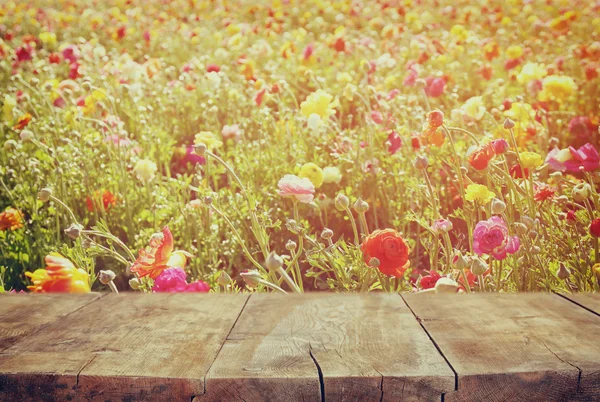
333	347
590	301
523	347
122	348
364	348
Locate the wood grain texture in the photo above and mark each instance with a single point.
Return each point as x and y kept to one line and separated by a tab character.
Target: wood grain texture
24	314
591	301
523	347
365	347
128	348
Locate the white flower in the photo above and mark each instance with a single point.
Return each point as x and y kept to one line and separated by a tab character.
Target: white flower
332	174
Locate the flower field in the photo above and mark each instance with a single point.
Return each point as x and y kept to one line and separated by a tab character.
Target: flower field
295	146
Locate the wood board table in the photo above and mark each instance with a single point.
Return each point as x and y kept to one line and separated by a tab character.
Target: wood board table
313	347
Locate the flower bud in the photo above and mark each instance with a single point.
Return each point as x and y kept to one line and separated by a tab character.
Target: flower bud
420	162
26	135
207	200
224	279
74	231
563	273
134	283
374	262
508	124
341	202
556	176
10	144
498	206
200	149
327	234
361	206
553	142
478	266
535	250
446	285
292	226
251	277
273	262
533	234
500	146
459	261
106	276
435	118
290	245
582	192
521	228
527	221
44	194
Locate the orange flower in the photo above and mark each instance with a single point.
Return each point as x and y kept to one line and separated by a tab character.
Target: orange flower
433	136
106	197
60	276
159	255
390	249
22	122
11	219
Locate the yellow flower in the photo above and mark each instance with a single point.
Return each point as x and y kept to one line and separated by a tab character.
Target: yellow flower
48	38
313	173
474	108
514	52
531	72
209	139
145	169
60	275
332	174
460	32
520	113
557	87
319	102
531	160
7	107
479	193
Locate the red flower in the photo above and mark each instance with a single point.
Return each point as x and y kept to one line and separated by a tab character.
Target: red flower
108	199
544	192
435	86
394	142
595	227
23	54
212	68
482	156
390	249
54	58
435	118
518	173
429	281
22	122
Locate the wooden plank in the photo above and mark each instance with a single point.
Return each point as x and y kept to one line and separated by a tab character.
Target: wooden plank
125	347
365	347
24	314
590	301
518	347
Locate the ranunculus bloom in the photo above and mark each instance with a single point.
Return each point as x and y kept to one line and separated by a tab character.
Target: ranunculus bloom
312	172
441	226
159	255
500	146
481	157
60	276
478	193
544	192
231	132
491	237
595	227
429	281
173	280
435	86
517	172
300	188
105	199
582	128
11	219
574	160
394	142
390	249
22	121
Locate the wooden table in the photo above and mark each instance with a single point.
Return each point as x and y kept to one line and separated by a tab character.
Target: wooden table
314	347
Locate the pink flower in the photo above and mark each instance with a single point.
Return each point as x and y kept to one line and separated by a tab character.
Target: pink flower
491	237
500	146
173	280
442	226
293	186
582	127
376	117
394	142
170	280
435	86
574	160
411	78
232	132
23	54
71	53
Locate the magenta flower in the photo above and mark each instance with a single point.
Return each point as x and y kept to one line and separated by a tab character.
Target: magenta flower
500	146
394	142
170	280
582	128
300	188
574	160
491	237
173	280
